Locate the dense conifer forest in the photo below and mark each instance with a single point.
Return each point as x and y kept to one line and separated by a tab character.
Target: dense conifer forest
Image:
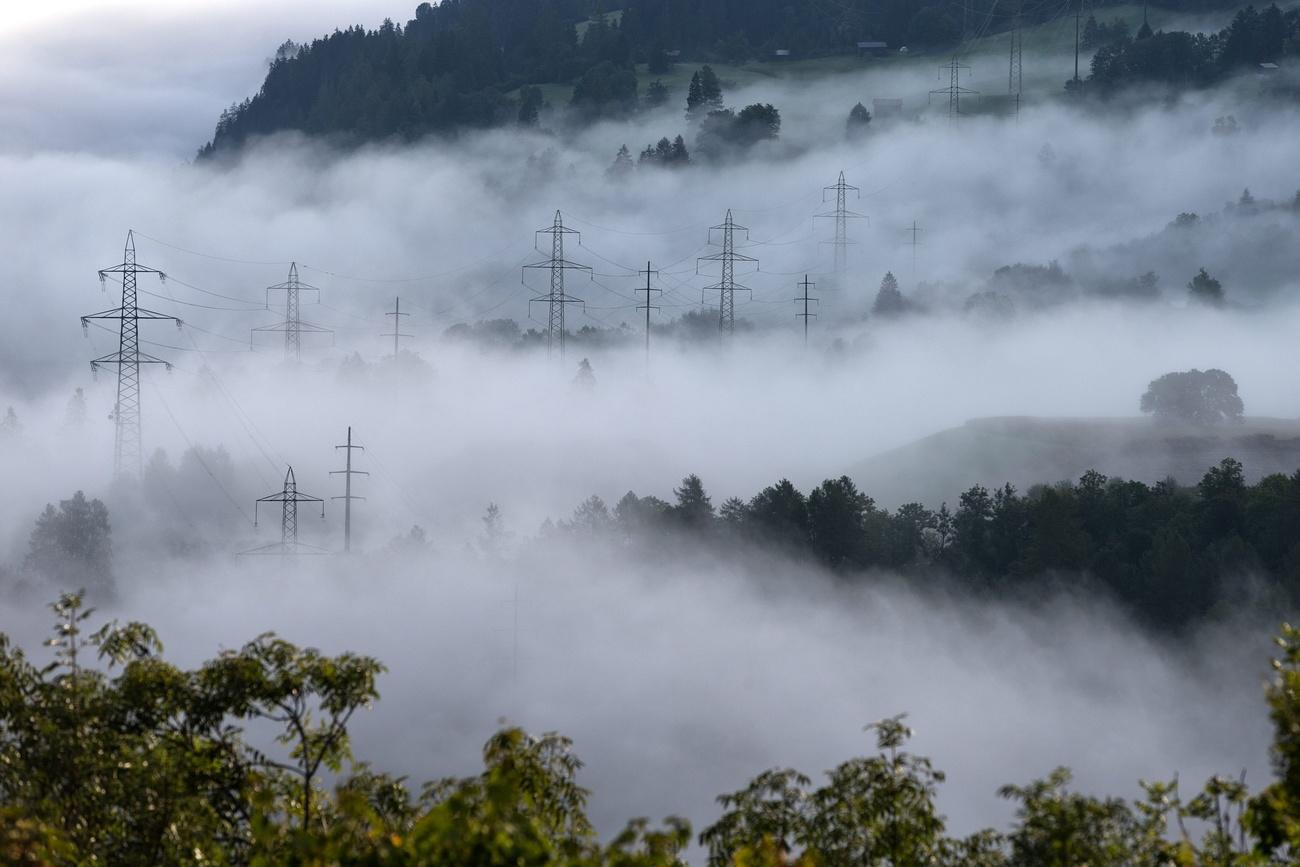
476	63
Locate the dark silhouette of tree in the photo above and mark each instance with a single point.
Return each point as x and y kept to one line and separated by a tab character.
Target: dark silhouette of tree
1205	289
585	377
859	121
1205	397
622	167
695	104
657	94
530	104
72	546
694	509
889	301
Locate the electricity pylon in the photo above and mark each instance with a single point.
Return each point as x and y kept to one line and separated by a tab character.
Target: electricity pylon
647	307
954	90
841	215
128	450
727	286
288	498
806	314
397	334
556	298
292	327
915	231
348	496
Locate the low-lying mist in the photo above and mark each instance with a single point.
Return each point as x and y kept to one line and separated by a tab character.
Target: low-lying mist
678	677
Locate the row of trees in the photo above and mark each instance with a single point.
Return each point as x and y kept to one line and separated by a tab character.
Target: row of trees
1182	59
1172	554
113	755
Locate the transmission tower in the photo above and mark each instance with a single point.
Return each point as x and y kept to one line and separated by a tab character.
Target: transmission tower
954	90
397	334
806	314
292	327
128	451
647	307
841	215
727	286
347	473
556	298
288	498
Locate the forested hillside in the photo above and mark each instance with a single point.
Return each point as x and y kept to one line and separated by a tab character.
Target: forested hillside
471	63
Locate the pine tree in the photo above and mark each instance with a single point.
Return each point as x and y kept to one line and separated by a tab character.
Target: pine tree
622	167
710	87
889	301
694	96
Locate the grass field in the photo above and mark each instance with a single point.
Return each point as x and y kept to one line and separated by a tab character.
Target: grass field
985	53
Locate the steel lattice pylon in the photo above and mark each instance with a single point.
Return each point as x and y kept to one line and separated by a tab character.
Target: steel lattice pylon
557	297
841	215
128	446
292	327
289	497
954	90
727	286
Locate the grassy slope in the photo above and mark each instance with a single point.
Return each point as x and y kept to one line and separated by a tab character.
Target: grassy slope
1028	451
987	55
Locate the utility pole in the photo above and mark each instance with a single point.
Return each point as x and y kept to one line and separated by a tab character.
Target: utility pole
841	215
647	307
915	231
397	334
1078	16
128	449
728	286
806	315
954	90
1015	76
288	498
348	496
557	297
292	327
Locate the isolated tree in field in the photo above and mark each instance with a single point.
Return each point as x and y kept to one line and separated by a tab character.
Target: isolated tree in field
72	545
858	122
1203	397
889	301
585	378
1206	289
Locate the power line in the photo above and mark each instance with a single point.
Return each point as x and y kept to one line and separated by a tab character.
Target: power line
556	298
954	90
727	286
128	449
806	315
289	497
292	327
647	307
841	215
347	472
397	334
